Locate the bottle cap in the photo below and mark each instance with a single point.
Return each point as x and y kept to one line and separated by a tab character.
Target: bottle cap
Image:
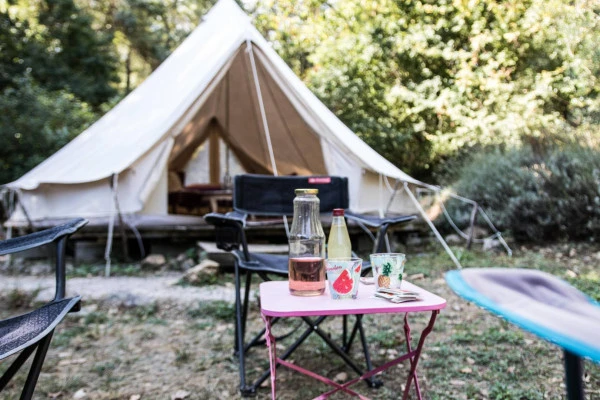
306	191
338	212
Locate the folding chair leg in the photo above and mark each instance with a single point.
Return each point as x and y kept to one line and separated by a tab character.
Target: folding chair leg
245	303
573	374
15	366
373	382
36	367
345	344
380	241
239	334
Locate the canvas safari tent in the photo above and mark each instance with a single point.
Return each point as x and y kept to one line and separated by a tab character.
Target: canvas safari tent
224	102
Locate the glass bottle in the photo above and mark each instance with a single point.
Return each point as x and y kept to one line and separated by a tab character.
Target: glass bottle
338	245
307	246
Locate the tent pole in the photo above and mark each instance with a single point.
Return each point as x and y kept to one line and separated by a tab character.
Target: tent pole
435	231
261	106
472	226
111	225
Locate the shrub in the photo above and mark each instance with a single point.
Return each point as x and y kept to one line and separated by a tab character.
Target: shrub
536	198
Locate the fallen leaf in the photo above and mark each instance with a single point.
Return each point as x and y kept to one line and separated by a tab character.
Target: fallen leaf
416	277
55	395
466	370
470	361
180	395
511	370
341	377
456	382
73	361
80	394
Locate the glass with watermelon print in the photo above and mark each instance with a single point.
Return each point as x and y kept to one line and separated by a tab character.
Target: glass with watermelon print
343	276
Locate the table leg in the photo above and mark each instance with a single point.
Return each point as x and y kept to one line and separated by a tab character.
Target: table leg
272	353
415	359
409	350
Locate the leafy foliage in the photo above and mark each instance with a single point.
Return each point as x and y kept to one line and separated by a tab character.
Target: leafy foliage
60	50
55	72
537	198
422	81
35	123
60	69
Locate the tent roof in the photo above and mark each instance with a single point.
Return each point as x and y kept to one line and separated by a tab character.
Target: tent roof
158	108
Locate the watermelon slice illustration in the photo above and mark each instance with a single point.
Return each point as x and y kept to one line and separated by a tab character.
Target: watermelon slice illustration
343	283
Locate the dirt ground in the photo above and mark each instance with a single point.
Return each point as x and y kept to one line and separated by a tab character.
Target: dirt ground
146	337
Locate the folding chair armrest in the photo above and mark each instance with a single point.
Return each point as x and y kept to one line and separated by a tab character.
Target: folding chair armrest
37	239
57	235
229	229
229	219
377	222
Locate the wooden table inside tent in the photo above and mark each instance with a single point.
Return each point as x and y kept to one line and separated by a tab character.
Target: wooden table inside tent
193	196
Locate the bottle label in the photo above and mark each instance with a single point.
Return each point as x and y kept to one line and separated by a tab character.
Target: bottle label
319	179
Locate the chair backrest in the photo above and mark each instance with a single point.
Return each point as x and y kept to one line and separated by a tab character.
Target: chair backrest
274	195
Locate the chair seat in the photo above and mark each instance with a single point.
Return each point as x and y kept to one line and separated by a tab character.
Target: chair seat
270	263
376	222
537	302
24	330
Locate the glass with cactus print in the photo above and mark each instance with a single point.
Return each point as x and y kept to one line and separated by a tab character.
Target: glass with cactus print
388	269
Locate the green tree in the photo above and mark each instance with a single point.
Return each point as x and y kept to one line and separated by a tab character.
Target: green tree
55	73
34	123
424	81
78	58
145	31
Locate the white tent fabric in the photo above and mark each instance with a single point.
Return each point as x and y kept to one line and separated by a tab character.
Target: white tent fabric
224	79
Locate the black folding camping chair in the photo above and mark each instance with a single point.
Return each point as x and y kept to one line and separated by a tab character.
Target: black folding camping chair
265	195
25	333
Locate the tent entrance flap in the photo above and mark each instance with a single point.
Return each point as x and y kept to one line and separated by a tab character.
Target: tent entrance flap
291	145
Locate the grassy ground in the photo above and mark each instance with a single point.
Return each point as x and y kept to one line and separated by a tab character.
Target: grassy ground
166	351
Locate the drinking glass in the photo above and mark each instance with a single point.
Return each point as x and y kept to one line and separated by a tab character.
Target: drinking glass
388	269
343	276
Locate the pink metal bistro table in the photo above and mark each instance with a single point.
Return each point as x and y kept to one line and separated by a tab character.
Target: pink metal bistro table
276	301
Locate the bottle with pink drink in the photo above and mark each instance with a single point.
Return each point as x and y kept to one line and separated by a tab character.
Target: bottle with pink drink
307	246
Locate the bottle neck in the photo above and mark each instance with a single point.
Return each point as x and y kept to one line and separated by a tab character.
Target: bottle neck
306	220
338	220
